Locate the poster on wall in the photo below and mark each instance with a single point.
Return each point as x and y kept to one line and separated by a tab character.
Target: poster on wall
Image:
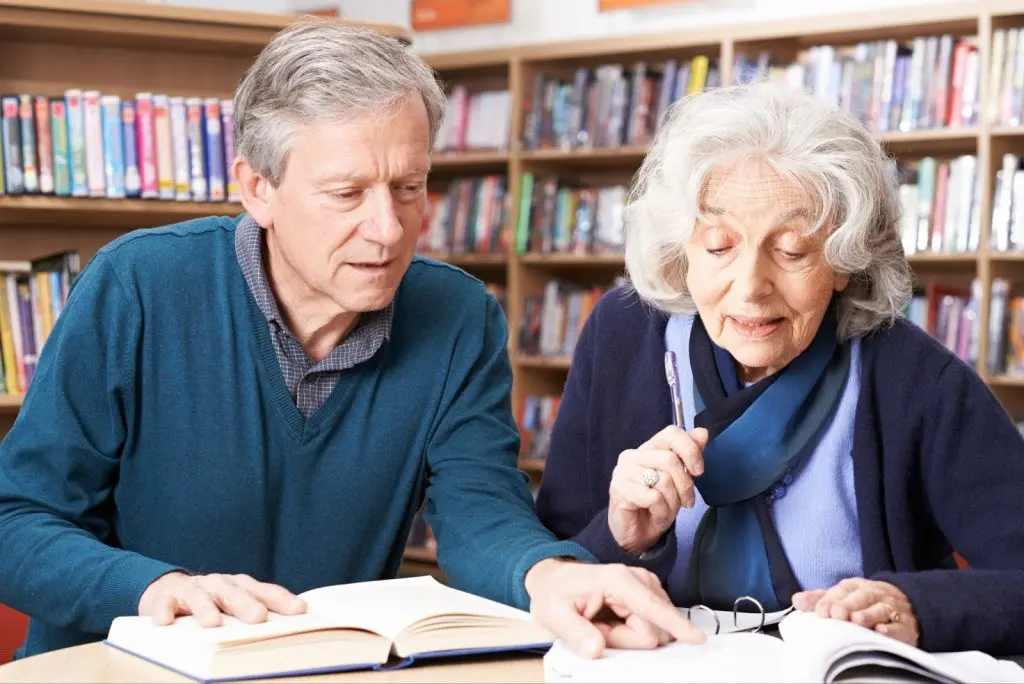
612	5
445	14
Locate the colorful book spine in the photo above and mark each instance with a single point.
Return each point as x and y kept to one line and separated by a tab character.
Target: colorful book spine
164	146
132	183
227	115
113	147
146	145
45	143
95	173
29	165
76	143
12	145
61	152
194	110
179	132
214	151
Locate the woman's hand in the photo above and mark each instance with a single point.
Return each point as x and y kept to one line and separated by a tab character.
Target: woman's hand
639	510
876	605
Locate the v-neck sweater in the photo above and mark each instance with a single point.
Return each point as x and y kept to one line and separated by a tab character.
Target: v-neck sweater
159	434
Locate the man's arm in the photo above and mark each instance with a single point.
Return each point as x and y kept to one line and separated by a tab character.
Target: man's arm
59	465
478	503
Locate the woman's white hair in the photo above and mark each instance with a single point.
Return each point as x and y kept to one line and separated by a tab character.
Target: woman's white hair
317	70
827	152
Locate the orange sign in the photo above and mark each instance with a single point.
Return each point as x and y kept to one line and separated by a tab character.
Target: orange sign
611	5
443	14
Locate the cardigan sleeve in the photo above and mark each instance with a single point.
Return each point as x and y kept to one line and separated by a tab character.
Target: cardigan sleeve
972	467
573	497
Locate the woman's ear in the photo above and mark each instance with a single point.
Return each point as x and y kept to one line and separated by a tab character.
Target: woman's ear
840	282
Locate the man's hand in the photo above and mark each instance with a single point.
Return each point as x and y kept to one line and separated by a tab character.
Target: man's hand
876	605
592	607
207	597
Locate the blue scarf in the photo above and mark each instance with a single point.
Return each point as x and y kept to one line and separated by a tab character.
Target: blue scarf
756	435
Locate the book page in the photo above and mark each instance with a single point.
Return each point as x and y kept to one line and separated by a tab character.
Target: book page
388	607
823	642
739	657
232	631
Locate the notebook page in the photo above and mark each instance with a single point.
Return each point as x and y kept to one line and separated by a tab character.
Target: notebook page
821	642
388	607
740	657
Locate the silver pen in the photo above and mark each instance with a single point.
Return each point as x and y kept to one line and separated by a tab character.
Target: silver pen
672	375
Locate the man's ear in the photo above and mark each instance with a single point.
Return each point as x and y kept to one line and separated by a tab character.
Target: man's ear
256	192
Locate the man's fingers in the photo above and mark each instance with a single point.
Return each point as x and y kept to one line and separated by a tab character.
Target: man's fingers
635	596
579	633
273	596
165	609
202	606
634	633
234	600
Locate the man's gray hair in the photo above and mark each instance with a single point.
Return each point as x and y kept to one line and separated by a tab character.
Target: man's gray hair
827	152
317	70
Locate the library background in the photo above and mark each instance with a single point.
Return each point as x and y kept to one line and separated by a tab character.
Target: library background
553	104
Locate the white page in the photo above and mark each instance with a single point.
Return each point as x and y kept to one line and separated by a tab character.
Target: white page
821	641
139	630
388	607
740	657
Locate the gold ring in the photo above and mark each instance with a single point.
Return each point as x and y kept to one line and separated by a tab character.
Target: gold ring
894	615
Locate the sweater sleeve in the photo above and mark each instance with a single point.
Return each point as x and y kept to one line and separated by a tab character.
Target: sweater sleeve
479	506
573	497
59	466
972	467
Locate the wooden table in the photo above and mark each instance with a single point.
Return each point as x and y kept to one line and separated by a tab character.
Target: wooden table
99	663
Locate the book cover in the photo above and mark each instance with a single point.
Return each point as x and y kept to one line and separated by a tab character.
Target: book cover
60	143
164	147
95	168
113	147
44	144
132	181
76	143
11	134
146	145
214	150
179	137
29	162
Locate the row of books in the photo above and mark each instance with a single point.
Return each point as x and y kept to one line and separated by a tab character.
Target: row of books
475	121
468	218
891	85
611	105
941	205
1005	106
92	144
950	315
1006	331
552	321
1007	232
555	216
536	419
32	296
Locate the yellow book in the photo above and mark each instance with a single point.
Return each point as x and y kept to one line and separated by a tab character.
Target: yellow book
698	74
7	343
45	306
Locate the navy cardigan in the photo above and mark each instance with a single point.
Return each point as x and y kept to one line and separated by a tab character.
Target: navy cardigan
938	466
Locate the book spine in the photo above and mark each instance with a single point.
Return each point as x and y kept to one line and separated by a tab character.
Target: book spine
194	108
29	165
214	150
227	113
113	148
95	173
146	145
132	182
179	133
76	143
164	147
12	145
59	140
45	144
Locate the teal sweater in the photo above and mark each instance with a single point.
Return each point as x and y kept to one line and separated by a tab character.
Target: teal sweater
159	434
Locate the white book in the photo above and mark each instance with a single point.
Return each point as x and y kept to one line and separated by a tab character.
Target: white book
811	649
95	168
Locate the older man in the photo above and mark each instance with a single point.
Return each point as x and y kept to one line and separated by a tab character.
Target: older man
231	410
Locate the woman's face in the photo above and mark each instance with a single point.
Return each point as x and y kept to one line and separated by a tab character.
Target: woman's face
760	284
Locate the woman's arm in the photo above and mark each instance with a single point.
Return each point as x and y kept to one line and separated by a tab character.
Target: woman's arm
972	468
573	497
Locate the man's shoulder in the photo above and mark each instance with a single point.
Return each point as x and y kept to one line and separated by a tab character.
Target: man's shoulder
442	285
172	243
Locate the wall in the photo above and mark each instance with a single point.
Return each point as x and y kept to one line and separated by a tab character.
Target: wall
556	20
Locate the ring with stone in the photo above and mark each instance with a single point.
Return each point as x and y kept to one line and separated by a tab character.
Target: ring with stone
651	477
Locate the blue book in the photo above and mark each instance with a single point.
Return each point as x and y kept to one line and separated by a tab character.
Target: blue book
132	181
214	151
113	145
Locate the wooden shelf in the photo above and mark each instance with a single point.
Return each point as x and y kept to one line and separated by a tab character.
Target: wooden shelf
1007	131
532	465
1007	257
942	258
595	156
552	362
581	260
123	213
476	161
469	260
1004	381
420	555
10	401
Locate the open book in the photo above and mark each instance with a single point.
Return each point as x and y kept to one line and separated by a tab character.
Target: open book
346	627
811	649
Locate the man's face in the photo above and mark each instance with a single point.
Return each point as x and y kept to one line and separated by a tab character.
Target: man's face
345	218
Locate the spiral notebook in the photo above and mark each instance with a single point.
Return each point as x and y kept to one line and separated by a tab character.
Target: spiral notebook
811	649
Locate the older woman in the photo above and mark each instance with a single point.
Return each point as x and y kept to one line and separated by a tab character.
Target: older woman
753	417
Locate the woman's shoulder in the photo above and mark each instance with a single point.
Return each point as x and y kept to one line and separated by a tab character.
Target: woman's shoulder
622	309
